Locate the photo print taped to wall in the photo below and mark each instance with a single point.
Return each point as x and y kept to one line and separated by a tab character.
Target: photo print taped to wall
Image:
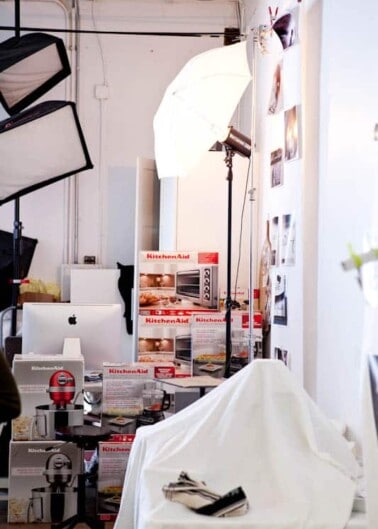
275	240
292	133
276	167
280	300
276	96
288	241
282	354
286	28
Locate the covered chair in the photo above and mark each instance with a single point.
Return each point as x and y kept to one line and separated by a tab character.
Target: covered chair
259	430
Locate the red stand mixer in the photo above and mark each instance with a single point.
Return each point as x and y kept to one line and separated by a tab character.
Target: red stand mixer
62	411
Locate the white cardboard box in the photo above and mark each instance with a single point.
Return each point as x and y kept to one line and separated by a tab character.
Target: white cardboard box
40	379
165	339
35	470
123	385
113	456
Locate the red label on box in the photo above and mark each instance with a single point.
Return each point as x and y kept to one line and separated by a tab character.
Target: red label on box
208	257
122	437
164	372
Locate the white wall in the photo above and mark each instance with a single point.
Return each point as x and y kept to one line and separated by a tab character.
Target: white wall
348	172
340	108
287	198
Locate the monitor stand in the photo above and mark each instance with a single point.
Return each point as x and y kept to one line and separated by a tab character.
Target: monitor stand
72	347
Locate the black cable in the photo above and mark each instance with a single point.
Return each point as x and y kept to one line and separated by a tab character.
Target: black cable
103	32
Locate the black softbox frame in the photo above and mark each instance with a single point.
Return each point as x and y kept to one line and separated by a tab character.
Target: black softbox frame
47	139
22	84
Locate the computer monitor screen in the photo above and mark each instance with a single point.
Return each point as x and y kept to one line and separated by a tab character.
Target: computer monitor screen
98	326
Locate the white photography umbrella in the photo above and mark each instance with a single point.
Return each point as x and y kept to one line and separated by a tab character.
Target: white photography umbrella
198	106
194	115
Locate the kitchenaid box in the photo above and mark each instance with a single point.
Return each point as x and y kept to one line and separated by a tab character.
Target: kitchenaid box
127	390
123	385
42	485
51	391
177	282
113	456
165	339
208	333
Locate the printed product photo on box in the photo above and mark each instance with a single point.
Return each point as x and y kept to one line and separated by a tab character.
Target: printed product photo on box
51	391
166	338
177	282
42	481
113	456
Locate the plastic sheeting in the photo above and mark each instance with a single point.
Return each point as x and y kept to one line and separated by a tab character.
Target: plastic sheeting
260	430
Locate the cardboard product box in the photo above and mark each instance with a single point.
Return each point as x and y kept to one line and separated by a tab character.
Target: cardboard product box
166	338
51	391
42	481
113	456
36	297
177	282
208	333
122	391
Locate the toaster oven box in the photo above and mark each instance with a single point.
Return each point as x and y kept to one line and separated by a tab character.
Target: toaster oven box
166	339
51	392
123	384
113	456
208	333
172	283
35	470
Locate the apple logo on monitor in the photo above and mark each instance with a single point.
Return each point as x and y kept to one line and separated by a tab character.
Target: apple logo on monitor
72	320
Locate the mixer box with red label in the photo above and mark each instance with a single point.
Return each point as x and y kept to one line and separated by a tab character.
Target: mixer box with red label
43	477
113	456
51	391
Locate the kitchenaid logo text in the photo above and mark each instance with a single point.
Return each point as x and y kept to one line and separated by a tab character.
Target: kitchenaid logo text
46	368
168	321
42	450
115	449
168	256
139	371
210	320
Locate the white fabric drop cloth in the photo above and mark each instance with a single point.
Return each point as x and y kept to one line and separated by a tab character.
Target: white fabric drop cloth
259	430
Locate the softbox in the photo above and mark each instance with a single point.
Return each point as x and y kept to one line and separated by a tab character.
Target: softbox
27	247
40	146
30	66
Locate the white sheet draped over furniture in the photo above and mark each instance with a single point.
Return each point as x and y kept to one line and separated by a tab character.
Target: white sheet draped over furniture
258	430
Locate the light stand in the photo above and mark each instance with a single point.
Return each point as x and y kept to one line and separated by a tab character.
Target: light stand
234	143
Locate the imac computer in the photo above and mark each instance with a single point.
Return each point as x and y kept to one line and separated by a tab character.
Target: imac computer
45	326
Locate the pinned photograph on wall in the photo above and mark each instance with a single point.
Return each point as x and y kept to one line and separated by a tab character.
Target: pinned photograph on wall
282	354
280	300
292	143
286	28
288	240
276	96
276	167
275	240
